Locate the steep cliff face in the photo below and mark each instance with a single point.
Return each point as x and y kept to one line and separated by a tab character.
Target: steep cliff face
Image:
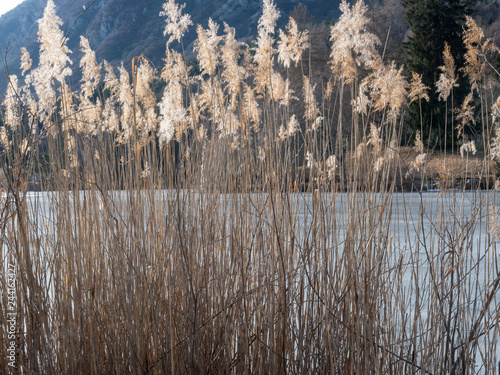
118	30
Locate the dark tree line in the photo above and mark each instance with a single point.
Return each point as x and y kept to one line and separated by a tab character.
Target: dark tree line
432	24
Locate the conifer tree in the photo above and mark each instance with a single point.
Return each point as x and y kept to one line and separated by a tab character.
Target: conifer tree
432	24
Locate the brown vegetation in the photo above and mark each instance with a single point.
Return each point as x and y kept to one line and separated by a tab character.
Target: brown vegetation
172	236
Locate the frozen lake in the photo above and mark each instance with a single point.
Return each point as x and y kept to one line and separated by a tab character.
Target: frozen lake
425	244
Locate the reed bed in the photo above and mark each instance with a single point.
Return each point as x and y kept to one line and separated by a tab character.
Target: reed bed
242	222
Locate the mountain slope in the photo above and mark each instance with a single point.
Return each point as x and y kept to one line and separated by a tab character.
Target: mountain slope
118	30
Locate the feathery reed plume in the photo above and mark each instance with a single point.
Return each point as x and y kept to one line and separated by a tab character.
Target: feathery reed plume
280	90
495	141
126	100
25	92
176	22
418	90
281	133
292	44
111	83
89	112
211	99
374	139
91	70
4	139
388	89
252	109
469	147
352	44
419	145
264	62
53	58
419	161
89	116
267	22
111	121
147	119
233	73
465	115
12	115
447	79
175	68
173	116
291	128
26	61
312	112
475	63
328	90
264	51
145	75
174	119
362	102
331	167
207	46
310	162
53	61
473	36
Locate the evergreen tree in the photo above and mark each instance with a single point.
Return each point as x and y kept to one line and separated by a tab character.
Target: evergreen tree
432	24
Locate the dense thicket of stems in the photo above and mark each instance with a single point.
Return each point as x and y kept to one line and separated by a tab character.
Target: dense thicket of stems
244	222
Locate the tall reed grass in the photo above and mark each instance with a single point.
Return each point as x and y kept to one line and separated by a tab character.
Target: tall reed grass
244	222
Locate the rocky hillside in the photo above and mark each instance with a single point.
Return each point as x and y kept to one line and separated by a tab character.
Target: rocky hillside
118	30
